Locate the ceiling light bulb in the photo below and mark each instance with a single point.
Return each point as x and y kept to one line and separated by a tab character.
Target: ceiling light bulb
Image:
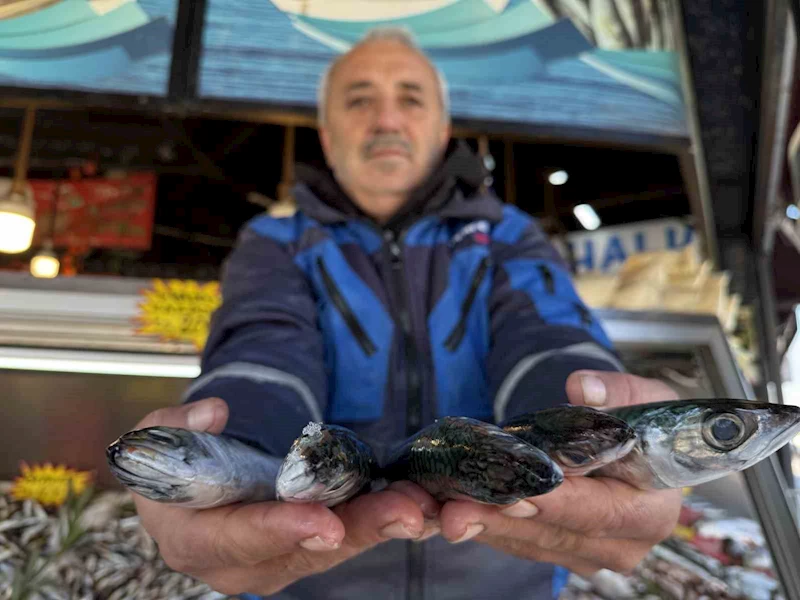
587	216
16	223
558	177
45	264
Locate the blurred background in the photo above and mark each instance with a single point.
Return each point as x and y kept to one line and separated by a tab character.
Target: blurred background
656	140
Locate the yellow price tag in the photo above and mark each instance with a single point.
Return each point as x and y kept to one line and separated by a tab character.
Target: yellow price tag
179	310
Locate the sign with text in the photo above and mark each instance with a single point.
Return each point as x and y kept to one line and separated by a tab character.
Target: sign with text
605	249
178	310
97	212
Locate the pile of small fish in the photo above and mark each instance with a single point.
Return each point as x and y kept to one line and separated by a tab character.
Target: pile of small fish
115	559
670	444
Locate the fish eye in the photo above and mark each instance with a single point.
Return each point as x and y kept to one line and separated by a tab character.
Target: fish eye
572	459
724	431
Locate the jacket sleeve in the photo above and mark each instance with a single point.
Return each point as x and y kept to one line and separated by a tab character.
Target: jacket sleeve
541	331
264	353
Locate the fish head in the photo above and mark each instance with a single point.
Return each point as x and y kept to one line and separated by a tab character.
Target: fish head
698	441
579	438
324	465
162	463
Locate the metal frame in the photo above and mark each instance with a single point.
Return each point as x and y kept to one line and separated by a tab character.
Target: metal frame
99	362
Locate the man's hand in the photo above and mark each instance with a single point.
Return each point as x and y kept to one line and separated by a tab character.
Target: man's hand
261	548
587	523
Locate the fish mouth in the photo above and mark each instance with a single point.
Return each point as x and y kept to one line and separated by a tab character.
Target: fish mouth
624	449
296	481
152	463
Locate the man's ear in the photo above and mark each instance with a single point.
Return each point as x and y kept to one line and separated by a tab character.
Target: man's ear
325	142
444	135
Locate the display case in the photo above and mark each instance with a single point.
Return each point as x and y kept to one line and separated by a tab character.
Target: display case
76	372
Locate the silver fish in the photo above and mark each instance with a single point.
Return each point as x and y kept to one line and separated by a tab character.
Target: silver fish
579	439
327	464
191	468
688	442
462	458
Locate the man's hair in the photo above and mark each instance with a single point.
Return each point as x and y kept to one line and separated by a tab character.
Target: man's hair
394	34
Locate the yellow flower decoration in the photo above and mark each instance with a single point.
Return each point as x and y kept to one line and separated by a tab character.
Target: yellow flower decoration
49	485
179	310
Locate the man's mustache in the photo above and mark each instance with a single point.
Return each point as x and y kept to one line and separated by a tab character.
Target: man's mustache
383	142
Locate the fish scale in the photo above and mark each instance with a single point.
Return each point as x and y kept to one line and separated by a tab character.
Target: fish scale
459	457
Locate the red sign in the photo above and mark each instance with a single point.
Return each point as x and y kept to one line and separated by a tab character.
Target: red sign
97	213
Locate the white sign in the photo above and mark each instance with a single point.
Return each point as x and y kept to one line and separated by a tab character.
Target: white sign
605	249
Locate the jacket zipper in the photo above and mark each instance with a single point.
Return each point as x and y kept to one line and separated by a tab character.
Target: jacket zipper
547	275
455	337
415	557
349	317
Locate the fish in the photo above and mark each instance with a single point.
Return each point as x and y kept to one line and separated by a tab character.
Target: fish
457	458
326	464
329	464
579	439
193	469
683	443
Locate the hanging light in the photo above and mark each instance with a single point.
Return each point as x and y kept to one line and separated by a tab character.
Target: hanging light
45	264
587	216
16	222
17	214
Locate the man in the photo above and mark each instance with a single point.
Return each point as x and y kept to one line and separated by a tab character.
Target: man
401	291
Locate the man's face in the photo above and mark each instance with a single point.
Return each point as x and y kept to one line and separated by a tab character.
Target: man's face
384	125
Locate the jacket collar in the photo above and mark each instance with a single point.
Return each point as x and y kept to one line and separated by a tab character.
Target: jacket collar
454	190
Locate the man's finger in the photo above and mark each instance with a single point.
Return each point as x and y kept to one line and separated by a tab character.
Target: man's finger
209	414
375	518
616	510
609	389
621	556
245	535
542	542
368	520
427	503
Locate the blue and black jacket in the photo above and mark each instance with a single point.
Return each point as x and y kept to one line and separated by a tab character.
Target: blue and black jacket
458	306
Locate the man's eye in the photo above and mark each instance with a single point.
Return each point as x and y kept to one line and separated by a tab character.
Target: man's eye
411	101
357	102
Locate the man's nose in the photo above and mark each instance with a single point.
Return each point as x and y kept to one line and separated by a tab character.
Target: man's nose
389	117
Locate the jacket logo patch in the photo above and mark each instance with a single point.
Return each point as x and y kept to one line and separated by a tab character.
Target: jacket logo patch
479	230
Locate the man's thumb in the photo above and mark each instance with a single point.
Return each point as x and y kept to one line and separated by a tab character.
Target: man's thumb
610	389
209	414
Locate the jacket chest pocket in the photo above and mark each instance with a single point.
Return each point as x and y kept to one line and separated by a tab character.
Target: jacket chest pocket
459	331
358	333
